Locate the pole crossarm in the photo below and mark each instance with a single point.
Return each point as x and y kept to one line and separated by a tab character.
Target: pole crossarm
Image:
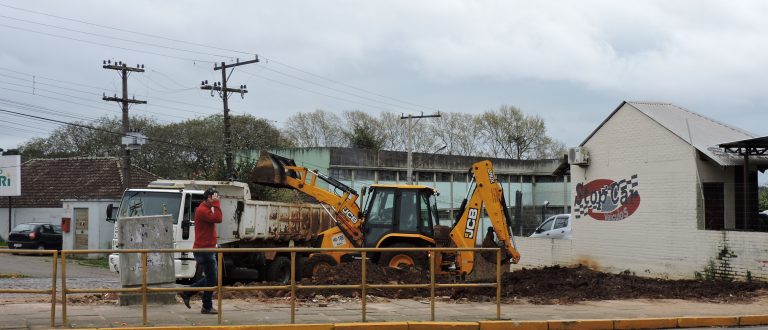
119	99
219	89
224	66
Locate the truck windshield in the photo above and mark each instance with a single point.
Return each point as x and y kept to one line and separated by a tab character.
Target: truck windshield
141	203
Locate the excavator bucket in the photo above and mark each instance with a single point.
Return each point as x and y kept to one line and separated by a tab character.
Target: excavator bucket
270	170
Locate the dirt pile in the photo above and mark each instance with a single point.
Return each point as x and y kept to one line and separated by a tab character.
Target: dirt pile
548	285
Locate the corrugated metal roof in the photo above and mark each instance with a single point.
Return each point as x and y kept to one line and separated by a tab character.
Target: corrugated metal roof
702	132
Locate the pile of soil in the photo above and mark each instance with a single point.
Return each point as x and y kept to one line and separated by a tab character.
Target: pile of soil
548	285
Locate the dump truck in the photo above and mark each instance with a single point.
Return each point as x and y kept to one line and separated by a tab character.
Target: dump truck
246	223
397	216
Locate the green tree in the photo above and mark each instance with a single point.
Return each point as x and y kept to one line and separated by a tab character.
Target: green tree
764	198
192	149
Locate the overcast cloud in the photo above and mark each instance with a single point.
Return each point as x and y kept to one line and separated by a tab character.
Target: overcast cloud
571	62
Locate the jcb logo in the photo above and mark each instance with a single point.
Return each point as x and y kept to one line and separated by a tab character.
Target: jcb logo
491	176
349	215
469	232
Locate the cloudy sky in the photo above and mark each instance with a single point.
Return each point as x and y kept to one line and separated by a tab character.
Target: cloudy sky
570	62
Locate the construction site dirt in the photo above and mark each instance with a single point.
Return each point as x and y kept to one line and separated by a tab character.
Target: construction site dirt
547	285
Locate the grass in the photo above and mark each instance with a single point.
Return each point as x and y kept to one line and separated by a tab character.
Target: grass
98	263
13	275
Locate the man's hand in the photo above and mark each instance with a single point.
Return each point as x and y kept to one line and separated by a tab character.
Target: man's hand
215	196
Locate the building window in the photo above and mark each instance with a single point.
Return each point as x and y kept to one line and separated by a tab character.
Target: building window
387	176
426	176
363	175
444	177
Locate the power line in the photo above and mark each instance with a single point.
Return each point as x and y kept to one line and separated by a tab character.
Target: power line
122	30
211	47
115	38
105	45
91	128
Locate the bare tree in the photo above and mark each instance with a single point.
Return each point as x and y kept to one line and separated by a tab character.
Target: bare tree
315	129
510	133
457	131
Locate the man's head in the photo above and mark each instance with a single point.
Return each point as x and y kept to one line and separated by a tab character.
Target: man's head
210	194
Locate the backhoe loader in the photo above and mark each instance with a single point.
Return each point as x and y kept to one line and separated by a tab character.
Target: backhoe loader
397	216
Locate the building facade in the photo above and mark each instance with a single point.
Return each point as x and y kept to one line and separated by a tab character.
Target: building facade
660	198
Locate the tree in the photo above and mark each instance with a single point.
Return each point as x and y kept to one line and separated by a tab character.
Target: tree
192	149
458	132
363	131
315	129
764	198
510	133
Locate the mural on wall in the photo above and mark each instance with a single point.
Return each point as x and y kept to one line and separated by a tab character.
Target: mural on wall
607	200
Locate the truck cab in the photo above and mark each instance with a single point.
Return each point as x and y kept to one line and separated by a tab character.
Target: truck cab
162	199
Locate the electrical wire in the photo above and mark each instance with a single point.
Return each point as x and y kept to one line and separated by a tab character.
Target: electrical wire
268	60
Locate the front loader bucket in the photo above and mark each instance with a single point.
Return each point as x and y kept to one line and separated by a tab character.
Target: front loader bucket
270	170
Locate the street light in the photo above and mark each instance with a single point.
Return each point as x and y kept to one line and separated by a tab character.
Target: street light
543	210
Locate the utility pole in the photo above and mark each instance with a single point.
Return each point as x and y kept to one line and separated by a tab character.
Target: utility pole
124	71
409	145
224	93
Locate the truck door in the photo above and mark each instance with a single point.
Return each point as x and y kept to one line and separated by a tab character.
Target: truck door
379	215
191	202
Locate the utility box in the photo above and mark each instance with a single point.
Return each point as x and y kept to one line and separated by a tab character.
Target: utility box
147	232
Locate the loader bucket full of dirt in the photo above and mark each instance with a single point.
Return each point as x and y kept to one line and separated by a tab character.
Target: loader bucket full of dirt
270	170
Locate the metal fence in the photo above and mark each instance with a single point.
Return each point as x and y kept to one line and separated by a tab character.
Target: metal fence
144	289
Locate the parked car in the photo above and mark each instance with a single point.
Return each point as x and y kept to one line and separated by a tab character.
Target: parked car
556	226
40	236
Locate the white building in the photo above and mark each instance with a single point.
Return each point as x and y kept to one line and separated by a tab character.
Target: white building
660	197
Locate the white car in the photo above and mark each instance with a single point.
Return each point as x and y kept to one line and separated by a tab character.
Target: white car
556	226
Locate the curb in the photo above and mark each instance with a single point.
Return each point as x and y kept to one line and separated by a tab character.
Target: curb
586	324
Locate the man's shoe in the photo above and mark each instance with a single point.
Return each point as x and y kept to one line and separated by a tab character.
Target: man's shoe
185	299
209	311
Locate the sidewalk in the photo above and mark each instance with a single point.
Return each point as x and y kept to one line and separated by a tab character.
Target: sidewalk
241	312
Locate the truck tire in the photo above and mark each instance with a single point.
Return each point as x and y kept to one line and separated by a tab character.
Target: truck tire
279	270
301	263
316	263
404	259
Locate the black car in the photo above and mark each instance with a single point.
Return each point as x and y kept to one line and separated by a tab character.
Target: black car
35	235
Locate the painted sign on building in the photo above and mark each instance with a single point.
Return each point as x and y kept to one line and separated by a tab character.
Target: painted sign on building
606	199
10	175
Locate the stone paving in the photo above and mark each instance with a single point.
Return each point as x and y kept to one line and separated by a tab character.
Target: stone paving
240	312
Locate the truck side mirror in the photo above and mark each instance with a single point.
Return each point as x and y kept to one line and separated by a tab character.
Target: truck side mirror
110	211
185	224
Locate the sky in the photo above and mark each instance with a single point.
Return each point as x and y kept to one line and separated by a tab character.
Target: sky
570	62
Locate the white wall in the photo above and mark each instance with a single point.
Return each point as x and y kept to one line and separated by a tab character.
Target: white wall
100	232
663	237
24	215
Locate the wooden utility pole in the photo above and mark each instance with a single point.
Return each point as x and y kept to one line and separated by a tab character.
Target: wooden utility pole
409	145
224	93
124	72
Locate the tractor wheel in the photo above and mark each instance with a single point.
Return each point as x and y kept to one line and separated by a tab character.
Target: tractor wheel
317	263
404	259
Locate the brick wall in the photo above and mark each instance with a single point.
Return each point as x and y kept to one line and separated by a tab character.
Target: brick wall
663	238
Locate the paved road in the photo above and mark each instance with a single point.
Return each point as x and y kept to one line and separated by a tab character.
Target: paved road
37	275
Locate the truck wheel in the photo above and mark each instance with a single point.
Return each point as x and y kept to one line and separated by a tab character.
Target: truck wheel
279	270
301	263
404	259
316	263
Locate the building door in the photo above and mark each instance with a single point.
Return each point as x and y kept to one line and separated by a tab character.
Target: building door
81	229
714	201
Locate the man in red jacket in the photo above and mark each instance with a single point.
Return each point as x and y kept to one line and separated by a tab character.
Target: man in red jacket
207	215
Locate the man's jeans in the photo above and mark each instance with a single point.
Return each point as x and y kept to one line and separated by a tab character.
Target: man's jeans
207	262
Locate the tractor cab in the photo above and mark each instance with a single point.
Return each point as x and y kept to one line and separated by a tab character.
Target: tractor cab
399	214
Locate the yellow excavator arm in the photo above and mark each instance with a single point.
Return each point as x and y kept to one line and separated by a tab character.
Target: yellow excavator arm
276	171
488	193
